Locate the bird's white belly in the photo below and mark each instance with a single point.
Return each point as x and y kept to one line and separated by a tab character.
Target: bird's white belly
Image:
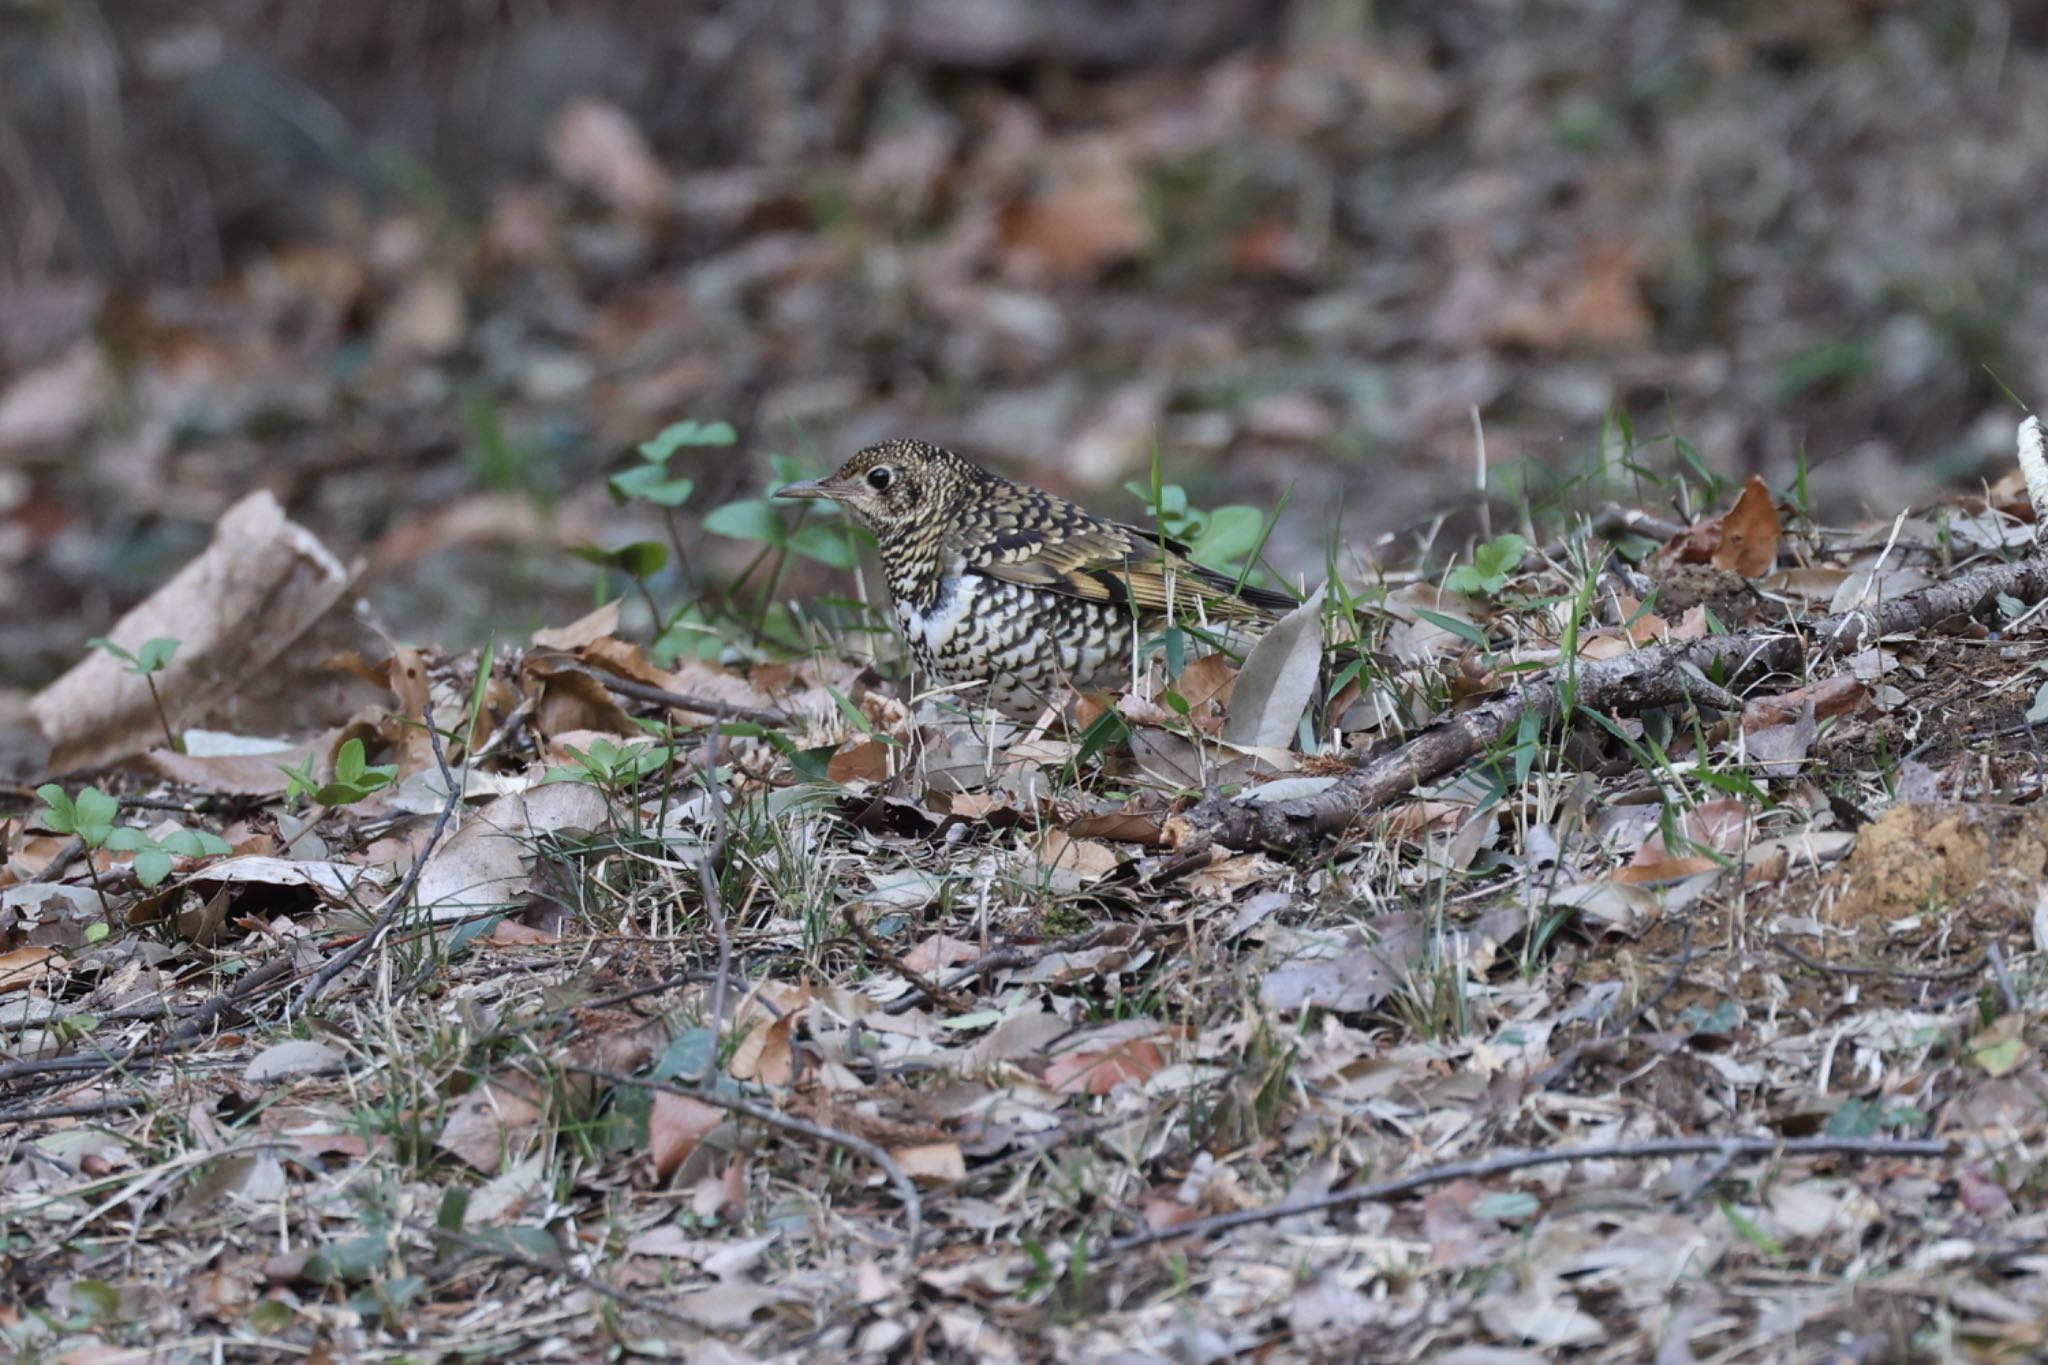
933	630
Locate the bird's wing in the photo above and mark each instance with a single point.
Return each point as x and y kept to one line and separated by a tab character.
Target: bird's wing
1045	542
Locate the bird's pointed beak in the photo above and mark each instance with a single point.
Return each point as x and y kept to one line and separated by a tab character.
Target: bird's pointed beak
808	488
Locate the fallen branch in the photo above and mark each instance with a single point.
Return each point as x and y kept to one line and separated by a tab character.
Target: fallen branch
1660	675
177	1040
1444	1173
703	706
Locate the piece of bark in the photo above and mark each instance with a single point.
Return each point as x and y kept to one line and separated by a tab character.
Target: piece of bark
259	585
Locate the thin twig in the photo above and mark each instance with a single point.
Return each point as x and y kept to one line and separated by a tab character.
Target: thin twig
542	1266
708	860
2007	995
899	1180
1017	955
354	953
86	1110
952	1001
184	1035
1505	1162
1902	973
703	706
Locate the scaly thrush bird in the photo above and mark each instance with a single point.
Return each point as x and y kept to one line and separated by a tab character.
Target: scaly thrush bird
1016	591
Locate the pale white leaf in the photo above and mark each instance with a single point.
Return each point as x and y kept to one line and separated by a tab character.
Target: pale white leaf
1278	679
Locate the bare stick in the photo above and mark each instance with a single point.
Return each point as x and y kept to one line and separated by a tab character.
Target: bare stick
1382	1190
179	1038
708	860
85	1110
1901	973
933	991
899	1180
542	1266
1017	955
393	905
703	706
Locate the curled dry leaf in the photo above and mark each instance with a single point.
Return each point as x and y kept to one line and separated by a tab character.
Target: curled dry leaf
336	881
764	1054
1749	533
572	699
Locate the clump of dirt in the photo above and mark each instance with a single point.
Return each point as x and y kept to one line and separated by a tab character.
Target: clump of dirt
1918	856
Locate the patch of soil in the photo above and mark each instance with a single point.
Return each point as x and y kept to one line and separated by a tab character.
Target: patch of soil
1919	856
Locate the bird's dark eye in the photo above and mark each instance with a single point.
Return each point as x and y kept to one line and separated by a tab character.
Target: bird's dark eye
880	477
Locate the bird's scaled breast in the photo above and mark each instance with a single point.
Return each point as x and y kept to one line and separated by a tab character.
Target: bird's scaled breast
1026	643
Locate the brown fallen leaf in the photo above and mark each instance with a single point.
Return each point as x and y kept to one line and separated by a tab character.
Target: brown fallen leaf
675	1126
1083	860
1088	216
491	1123
21	968
939	952
1749	533
1717	826
486	864
1107	1057
1841	695
865	760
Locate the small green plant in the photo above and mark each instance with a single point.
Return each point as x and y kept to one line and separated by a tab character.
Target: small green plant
612	767
354	778
1492	565
90	815
154	656
497	458
779	531
1220	538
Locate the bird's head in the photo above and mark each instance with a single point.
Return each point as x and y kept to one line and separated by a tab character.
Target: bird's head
893	486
